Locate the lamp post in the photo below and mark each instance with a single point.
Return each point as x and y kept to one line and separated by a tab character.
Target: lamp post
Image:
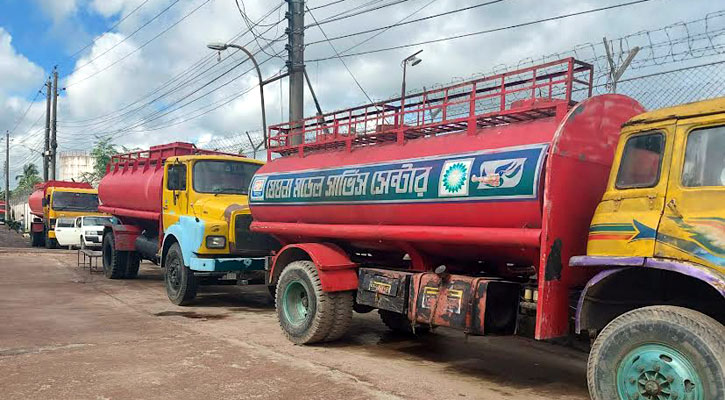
223	46
413	60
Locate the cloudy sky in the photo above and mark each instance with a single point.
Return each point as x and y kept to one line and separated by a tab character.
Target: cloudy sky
139	71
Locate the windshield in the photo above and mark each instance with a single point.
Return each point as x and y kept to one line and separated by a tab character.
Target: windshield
231	177
98	221
75	201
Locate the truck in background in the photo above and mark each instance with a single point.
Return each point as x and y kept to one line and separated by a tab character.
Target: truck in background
54	199
186	209
469	207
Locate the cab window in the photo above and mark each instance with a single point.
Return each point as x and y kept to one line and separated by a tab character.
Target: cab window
641	161
176	179
705	158
64	223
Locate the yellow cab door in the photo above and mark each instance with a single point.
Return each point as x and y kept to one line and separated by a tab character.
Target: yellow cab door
175	199
693	222
626	220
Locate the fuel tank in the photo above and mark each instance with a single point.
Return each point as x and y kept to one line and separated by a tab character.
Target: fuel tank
459	187
35	200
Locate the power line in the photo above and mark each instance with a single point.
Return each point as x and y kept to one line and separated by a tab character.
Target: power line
22	118
401	23
341	17
538	21
327	4
109	30
340	58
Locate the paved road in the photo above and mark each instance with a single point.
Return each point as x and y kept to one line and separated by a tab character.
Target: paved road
68	334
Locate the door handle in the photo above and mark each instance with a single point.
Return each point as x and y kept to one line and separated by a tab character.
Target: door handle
672	205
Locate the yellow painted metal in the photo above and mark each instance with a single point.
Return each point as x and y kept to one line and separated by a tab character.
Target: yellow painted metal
668	220
52	214
216	211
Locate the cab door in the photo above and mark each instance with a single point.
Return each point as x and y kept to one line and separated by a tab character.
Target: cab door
175	197
626	220
693	221
65	231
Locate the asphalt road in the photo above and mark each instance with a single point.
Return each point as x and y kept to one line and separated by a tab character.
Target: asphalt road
70	334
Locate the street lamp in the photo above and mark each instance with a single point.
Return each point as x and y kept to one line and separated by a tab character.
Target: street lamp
413	60
223	46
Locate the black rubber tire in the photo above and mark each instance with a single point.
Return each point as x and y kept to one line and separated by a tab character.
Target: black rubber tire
696	336
133	262
36	239
114	261
321	313
342	315
50	243
179	280
399	323
272	291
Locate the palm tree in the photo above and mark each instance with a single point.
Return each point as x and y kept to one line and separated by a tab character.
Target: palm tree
29	177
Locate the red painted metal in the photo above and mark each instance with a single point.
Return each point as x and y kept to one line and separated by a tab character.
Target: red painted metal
336	271
125	236
132	185
35	201
407	233
526	107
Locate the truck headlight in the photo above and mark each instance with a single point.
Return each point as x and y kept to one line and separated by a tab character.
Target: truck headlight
216	242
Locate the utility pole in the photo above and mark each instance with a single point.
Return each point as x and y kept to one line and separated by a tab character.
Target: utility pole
46	149
53	142
7	176
296	64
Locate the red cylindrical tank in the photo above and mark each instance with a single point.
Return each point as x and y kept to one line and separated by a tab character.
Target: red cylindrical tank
35	200
132	186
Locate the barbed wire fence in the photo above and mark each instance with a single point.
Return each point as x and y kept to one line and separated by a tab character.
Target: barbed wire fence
678	63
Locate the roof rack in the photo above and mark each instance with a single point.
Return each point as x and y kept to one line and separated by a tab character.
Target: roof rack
526	94
156	155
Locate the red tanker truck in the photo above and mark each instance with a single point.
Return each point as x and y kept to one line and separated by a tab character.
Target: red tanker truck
469	207
185	208
56	199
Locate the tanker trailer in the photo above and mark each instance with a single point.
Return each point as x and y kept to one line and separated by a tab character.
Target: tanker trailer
469	207
185	209
56	199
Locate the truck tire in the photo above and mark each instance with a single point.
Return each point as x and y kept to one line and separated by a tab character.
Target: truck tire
50	243
342	315
36	239
304	311
114	261
179	280
658	352
133	262
399	323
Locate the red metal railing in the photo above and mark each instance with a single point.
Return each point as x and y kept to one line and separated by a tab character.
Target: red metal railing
156	155
539	91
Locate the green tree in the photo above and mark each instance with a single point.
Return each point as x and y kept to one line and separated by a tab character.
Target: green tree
101	152
28	179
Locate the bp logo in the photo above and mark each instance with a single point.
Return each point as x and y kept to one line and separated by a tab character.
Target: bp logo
454	177
257	192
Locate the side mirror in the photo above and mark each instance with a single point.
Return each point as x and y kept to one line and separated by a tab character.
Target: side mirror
44	202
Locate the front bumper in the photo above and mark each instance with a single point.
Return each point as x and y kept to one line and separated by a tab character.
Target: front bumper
92	239
228	264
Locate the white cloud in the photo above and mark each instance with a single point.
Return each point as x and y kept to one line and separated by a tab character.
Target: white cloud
59	9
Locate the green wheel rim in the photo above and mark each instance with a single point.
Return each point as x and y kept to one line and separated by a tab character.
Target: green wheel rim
295	303
658	372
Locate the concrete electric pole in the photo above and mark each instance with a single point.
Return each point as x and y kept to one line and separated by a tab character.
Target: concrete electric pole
296	64
7	176
46	149
53	142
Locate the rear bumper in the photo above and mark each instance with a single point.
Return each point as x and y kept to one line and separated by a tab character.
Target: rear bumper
228	264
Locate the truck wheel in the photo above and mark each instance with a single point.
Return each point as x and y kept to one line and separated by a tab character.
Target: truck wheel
50	243
178	278
133	262
658	352
114	261
36	239
304	311
342	315
399	323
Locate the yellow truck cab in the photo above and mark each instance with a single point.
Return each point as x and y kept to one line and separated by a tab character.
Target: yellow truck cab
56	199
187	210
657	306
